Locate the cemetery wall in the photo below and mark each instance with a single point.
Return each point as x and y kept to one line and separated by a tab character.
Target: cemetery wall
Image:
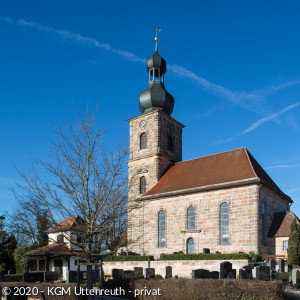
182	268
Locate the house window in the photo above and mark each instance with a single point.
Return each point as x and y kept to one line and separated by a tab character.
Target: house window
224	223
170	143
263	222
191	217
60	238
143	141
190	249
33	266
285	245
143	185
42	265
161	229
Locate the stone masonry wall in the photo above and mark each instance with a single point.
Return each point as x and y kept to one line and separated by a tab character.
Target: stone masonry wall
151	162
274	202
243	222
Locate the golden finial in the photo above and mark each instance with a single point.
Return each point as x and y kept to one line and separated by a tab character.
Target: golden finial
156	37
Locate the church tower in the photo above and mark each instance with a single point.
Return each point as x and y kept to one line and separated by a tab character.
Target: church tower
155	137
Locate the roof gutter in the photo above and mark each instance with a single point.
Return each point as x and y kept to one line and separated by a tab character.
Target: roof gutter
201	189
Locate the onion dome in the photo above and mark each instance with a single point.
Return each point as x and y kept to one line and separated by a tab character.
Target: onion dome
156	96
157	62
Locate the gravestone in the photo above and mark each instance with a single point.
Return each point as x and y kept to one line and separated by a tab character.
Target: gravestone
129	274
138	271
282	276
296	276
245	273
150	272
168	272
232	274
200	273
272	264
287	267
117	274
225	268
214	275
262	273
281	265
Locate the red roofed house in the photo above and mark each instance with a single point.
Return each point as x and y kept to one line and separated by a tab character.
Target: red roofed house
61	254
279	231
225	202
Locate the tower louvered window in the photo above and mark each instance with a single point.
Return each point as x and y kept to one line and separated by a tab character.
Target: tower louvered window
143	185
143	141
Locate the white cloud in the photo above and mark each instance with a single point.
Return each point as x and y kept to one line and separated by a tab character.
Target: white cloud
283	166
260	122
293	190
252	101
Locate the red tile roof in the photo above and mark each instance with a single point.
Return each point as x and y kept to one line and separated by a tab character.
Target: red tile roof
211	172
70	223
54	250
281	224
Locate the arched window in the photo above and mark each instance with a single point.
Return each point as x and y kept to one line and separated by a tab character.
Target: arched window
263	222
170	143
143	185
143	141
161	229
190	249
224	223
191	217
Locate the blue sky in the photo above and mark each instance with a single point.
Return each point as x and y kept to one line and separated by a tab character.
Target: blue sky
233	68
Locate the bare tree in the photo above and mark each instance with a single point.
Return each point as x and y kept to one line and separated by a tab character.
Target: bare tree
80	177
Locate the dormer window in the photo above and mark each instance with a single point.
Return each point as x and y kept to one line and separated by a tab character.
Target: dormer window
60	238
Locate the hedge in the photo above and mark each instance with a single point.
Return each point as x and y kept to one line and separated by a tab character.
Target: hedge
212	256
200	289
128	258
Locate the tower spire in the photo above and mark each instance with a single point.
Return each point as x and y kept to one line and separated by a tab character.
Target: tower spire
155	97
156	38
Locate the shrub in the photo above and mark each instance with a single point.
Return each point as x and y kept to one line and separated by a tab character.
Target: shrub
128	258
255	257
168	276
212	256
158	276
21	260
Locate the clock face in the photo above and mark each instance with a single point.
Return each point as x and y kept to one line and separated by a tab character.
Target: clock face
171	127
143	124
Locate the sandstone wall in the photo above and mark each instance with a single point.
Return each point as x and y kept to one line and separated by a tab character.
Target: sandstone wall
243	222
182	268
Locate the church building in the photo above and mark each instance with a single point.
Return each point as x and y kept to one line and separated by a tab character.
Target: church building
225	202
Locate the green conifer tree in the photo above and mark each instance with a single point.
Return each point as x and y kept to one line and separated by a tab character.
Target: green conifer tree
294	245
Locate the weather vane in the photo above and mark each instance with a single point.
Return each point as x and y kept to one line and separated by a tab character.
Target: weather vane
156	37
